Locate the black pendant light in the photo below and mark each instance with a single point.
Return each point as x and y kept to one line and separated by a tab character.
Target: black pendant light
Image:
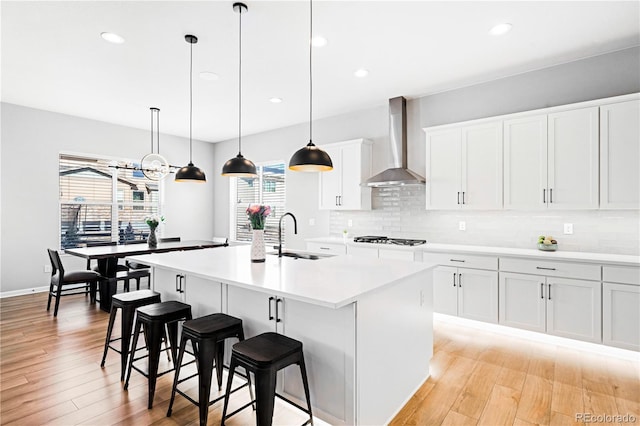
190	173
239	166
310	158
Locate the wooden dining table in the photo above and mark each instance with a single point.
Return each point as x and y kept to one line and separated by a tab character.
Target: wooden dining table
107	258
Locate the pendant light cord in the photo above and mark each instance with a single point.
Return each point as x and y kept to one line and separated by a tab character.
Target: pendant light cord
190	102
151	110
310	72
240	82
157	129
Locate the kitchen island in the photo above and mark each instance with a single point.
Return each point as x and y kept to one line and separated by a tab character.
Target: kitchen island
366	324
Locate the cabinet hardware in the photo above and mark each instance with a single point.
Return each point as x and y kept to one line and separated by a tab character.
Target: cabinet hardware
456	260
454	279
459	280
551	195
544	198
546	269
278	319
270	315
180	281
177	285
549	291
462	197
458	197
325	248
336	200
339	200
541	290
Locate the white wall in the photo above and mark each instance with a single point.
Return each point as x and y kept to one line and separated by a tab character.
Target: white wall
31	142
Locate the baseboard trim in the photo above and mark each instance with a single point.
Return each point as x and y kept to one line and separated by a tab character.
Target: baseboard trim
24	291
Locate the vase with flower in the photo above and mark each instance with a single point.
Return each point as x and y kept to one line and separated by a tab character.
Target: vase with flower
153	222
257	214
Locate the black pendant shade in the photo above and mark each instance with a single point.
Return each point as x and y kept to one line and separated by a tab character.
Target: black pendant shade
310	159
239	166
190	173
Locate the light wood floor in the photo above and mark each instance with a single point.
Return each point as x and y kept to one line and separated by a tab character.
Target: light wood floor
50	374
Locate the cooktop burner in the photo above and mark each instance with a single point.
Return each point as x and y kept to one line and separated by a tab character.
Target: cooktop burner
387	240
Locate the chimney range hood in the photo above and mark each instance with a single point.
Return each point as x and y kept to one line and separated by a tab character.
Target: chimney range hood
399	174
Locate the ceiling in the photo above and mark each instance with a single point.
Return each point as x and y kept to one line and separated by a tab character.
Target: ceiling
53	57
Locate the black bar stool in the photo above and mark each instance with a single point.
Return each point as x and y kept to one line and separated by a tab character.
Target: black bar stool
154	318
207	335
128	302
264	355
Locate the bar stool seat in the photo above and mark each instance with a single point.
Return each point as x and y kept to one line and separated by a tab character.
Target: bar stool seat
154	318
264	355
128	303
207	336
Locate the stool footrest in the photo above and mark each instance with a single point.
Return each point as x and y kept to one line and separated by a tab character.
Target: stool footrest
299	407
213	401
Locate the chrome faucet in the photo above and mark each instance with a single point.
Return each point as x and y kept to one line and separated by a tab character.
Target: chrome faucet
295	230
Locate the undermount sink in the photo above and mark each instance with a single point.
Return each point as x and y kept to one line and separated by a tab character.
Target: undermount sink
301	255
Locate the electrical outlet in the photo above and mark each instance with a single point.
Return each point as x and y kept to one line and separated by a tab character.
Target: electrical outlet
462	226
568	228
312	222
47	268
350	223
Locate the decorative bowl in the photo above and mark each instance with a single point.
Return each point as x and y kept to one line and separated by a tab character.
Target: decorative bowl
547	247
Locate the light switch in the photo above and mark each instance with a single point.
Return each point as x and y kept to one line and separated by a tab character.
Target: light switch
350	223
312	222
568	228
462	225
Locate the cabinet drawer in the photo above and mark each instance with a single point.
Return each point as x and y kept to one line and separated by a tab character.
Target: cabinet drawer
621	274
362	251
584	271
330	248
462	260
396	254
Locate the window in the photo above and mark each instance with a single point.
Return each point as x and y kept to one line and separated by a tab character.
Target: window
269	189
94	194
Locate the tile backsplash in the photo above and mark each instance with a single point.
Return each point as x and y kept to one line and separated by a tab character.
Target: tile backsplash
400	212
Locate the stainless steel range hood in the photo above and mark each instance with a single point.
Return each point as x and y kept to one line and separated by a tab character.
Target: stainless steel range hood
398	174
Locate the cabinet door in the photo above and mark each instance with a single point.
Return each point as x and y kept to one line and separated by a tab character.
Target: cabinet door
621	315
478	294
328	337
482	167
445	290
350	190
362	250
574	309
443	169
168	285
331	181
573	159
619	153
522	301
254	308
204	296
525	163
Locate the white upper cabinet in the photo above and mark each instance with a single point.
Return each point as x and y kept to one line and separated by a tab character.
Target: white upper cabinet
551	161
340	188
619	154
464	167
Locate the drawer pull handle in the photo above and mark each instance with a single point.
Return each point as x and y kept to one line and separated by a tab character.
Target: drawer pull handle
271	299
544	198
454	279
460	280
546	269
541	290
456	260
463	197
551	195
325	248
278	319
549	291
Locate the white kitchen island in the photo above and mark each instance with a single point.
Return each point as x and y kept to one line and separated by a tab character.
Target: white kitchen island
366	324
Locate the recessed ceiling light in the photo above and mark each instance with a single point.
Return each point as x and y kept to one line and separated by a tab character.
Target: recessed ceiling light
207	75
361	73
112	38
275	100
318	41
500	29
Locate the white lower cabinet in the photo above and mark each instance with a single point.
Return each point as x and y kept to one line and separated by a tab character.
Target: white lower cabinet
465	292
327	248
621	307
559	306
173	286
325	334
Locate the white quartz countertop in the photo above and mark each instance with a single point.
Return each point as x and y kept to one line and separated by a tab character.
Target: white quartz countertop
604	258
332	281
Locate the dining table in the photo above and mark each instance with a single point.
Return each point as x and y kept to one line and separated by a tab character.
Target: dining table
107	257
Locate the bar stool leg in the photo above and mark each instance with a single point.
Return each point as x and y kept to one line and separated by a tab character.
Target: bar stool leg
125	336
183	344
112	320
219	357
305	383
154	334
265	396
206	355
232	369
132	353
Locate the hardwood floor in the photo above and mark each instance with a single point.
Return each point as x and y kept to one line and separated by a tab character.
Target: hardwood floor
50	374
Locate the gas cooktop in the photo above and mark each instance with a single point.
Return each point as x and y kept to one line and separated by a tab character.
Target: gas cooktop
387	240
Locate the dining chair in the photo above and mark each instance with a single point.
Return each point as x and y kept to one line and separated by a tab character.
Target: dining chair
78	282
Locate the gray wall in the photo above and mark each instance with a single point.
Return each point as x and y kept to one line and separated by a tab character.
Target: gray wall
612	74
31	142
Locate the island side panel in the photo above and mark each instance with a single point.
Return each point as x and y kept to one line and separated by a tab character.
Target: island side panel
394	346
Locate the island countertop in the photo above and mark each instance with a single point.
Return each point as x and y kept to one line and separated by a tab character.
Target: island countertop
332	281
